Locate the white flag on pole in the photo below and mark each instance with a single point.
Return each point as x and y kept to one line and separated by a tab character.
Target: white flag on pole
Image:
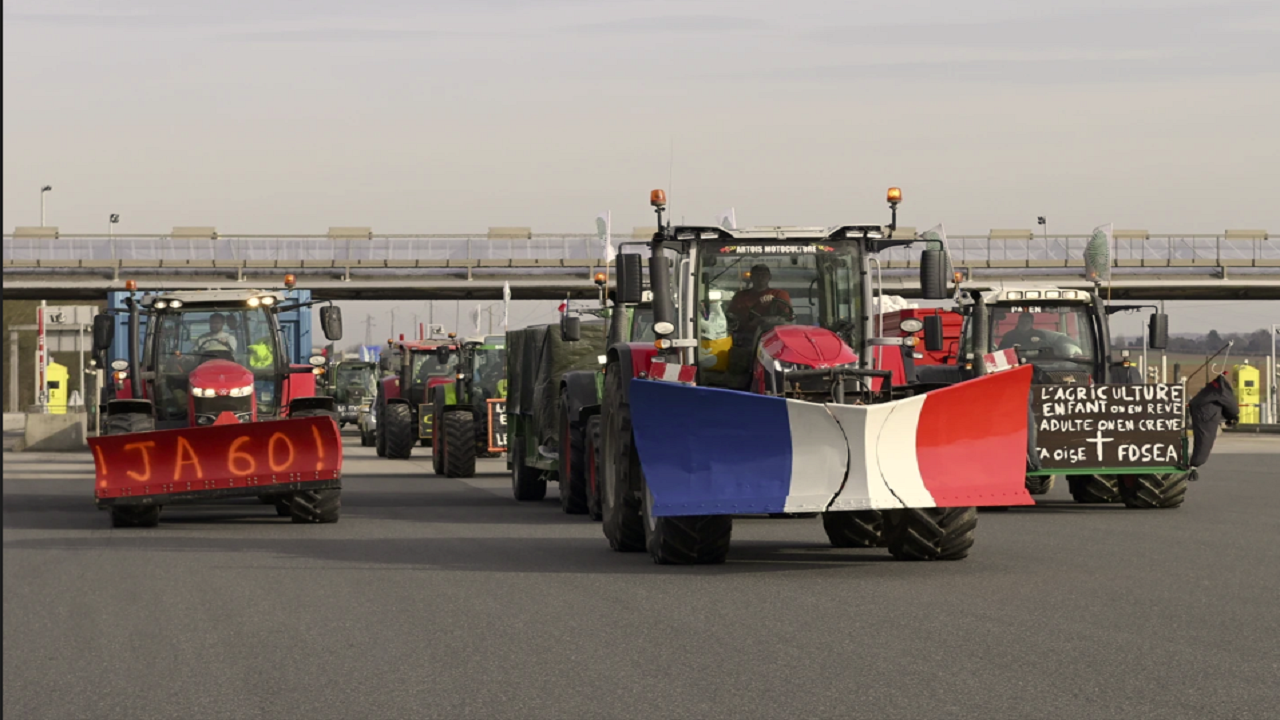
604	231
728	220
506	303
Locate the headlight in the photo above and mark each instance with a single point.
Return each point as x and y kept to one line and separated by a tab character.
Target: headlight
268	300
203	392
175	304
119	364
317	360
911	325
245	391
664	328
1052	294
1015	295
160	304
254	302
1033	294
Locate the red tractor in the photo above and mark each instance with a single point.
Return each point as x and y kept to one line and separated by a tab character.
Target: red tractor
786	404
403	405
177	409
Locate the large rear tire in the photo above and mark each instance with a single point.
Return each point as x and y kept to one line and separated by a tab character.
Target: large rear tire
135	516
591	456
620	472
1154	491
573	477
437	439
527	484
931	533
366	438
857	529
1039	484
380	433
400	437
125	423
316	506
686	540
459	437
1094	489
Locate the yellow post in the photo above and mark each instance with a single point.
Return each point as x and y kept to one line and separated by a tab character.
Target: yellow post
1248	384
56	377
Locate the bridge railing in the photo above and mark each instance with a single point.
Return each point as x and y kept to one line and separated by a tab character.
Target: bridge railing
1066	249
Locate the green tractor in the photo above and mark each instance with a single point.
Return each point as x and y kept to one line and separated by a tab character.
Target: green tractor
352	385
469	414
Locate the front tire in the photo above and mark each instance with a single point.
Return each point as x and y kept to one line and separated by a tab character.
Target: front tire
1154	491
126	423
316	506
400	437
458	438
686	540
857	529
527	484
1039	484
931	533
591	456
135	516
1094	489
573	478
620	472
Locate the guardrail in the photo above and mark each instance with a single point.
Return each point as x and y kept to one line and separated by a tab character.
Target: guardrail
1055	250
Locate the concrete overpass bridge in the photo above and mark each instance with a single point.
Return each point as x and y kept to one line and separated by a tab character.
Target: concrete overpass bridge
356	264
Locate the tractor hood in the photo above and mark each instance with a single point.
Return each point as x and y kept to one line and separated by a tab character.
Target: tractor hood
221	376
806	346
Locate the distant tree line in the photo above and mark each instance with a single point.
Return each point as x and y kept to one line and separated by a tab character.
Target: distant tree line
1257	342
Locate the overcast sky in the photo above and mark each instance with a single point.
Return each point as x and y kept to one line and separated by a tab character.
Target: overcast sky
290	116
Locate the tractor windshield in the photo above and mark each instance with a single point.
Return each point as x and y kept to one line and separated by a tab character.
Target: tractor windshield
186	338
488	374
354	383
1058	340
425	365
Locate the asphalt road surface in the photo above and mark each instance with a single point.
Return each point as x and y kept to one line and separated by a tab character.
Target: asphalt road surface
445	598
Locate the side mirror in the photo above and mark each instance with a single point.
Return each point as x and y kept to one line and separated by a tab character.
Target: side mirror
630	278
933	333
104	331
570	328
1158	332
933	275
331	321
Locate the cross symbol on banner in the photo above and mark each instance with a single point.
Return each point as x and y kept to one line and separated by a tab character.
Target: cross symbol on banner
1097	440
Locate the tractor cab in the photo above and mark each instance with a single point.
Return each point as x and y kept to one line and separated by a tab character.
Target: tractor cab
352	383
1062	333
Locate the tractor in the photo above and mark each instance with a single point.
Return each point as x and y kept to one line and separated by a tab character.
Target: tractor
176	410
765	391
402	406
352	385
463	410
1094	419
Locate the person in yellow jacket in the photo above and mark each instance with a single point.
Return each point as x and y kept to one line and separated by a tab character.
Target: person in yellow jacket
261	358
260	354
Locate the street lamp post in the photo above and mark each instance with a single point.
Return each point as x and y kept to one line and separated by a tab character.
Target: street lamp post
111	224
43	190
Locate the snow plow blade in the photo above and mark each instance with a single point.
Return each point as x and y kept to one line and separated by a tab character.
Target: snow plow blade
706	451
218	460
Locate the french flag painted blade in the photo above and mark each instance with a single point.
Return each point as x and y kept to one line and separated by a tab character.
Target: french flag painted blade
707	451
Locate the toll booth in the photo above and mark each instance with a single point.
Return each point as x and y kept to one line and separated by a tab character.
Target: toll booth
55	381
1248	382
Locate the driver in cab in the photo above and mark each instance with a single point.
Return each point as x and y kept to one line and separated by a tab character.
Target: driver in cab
750	306
1022	334
217	338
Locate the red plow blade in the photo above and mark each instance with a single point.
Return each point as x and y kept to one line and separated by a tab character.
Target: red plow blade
254	456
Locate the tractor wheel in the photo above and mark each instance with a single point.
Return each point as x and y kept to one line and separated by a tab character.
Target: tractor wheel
437	442
857	529
1154	490
425	442
527	484
930	533
125	423
620	503
135	516
400	437
688	539
1039	484
380	436
1092	489
316	506
284	504
366	438
591	456
458	437
316	412
573	476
